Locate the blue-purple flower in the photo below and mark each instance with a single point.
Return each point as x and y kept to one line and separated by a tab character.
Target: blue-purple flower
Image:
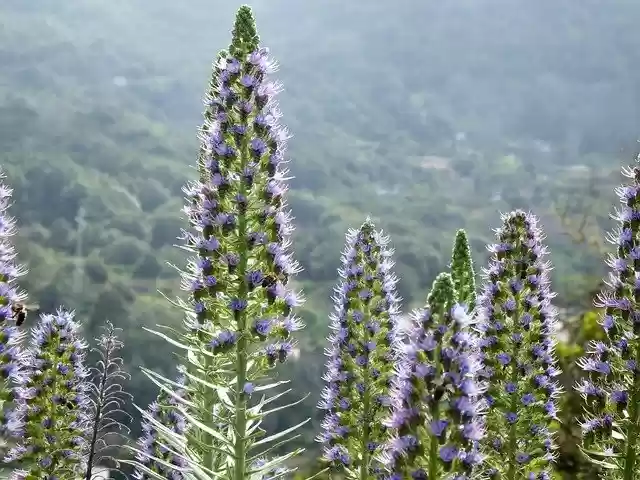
11	303
51	416
240	315
360	366
437	397
518	323
611	387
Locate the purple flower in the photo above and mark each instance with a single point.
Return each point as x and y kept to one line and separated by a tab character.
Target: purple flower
12	298
363	325
437	382
52	406
240	312
610	365
518	321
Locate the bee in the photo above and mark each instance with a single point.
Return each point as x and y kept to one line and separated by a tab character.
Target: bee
20	311
269	280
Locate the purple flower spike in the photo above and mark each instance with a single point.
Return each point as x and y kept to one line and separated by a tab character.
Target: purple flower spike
52	406
241	307
610	390
12	310
436	422
518	322
238	213
360	366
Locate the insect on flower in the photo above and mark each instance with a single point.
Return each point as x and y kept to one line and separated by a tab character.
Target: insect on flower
20	311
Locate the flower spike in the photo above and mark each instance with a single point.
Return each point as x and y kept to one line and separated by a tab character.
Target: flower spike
240	316
52	406
611	389
360	364
437	404
11	301
518	321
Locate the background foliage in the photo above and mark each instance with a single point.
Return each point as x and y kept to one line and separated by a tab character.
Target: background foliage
430	116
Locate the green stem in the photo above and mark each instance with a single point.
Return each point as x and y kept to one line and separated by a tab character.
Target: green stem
435	416
366	405
208	457
209	396
513	429
513	432
632	429
240	447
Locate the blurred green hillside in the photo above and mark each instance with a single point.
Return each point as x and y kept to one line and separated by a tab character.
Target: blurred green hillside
430	116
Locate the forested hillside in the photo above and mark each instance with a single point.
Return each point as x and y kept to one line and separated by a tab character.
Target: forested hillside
429	116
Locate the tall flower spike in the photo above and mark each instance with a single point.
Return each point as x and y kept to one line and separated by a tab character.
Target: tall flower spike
240	314
611	389
518	321
10	299
51	416
107	400
437	405
360	364
462	271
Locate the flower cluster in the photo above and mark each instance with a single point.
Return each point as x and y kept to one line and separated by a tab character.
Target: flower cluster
51	422
238	280
518	320
611	389
360	364
240	313
437	396
154	456
11	300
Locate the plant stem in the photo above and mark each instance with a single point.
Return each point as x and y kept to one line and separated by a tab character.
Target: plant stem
513	433
366	406
632	429
435	416
98	413
513	429
240	447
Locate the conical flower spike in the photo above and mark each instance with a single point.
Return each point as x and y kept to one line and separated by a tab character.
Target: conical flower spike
611	391
240	314
519	322
360	364
437	403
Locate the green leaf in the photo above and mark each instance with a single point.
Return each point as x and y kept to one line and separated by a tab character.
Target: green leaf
281	434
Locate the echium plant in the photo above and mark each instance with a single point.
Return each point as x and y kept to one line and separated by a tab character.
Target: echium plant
10	298
438	406
611	389
462	271
360	366
51	420
240	313
518	321
107	401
